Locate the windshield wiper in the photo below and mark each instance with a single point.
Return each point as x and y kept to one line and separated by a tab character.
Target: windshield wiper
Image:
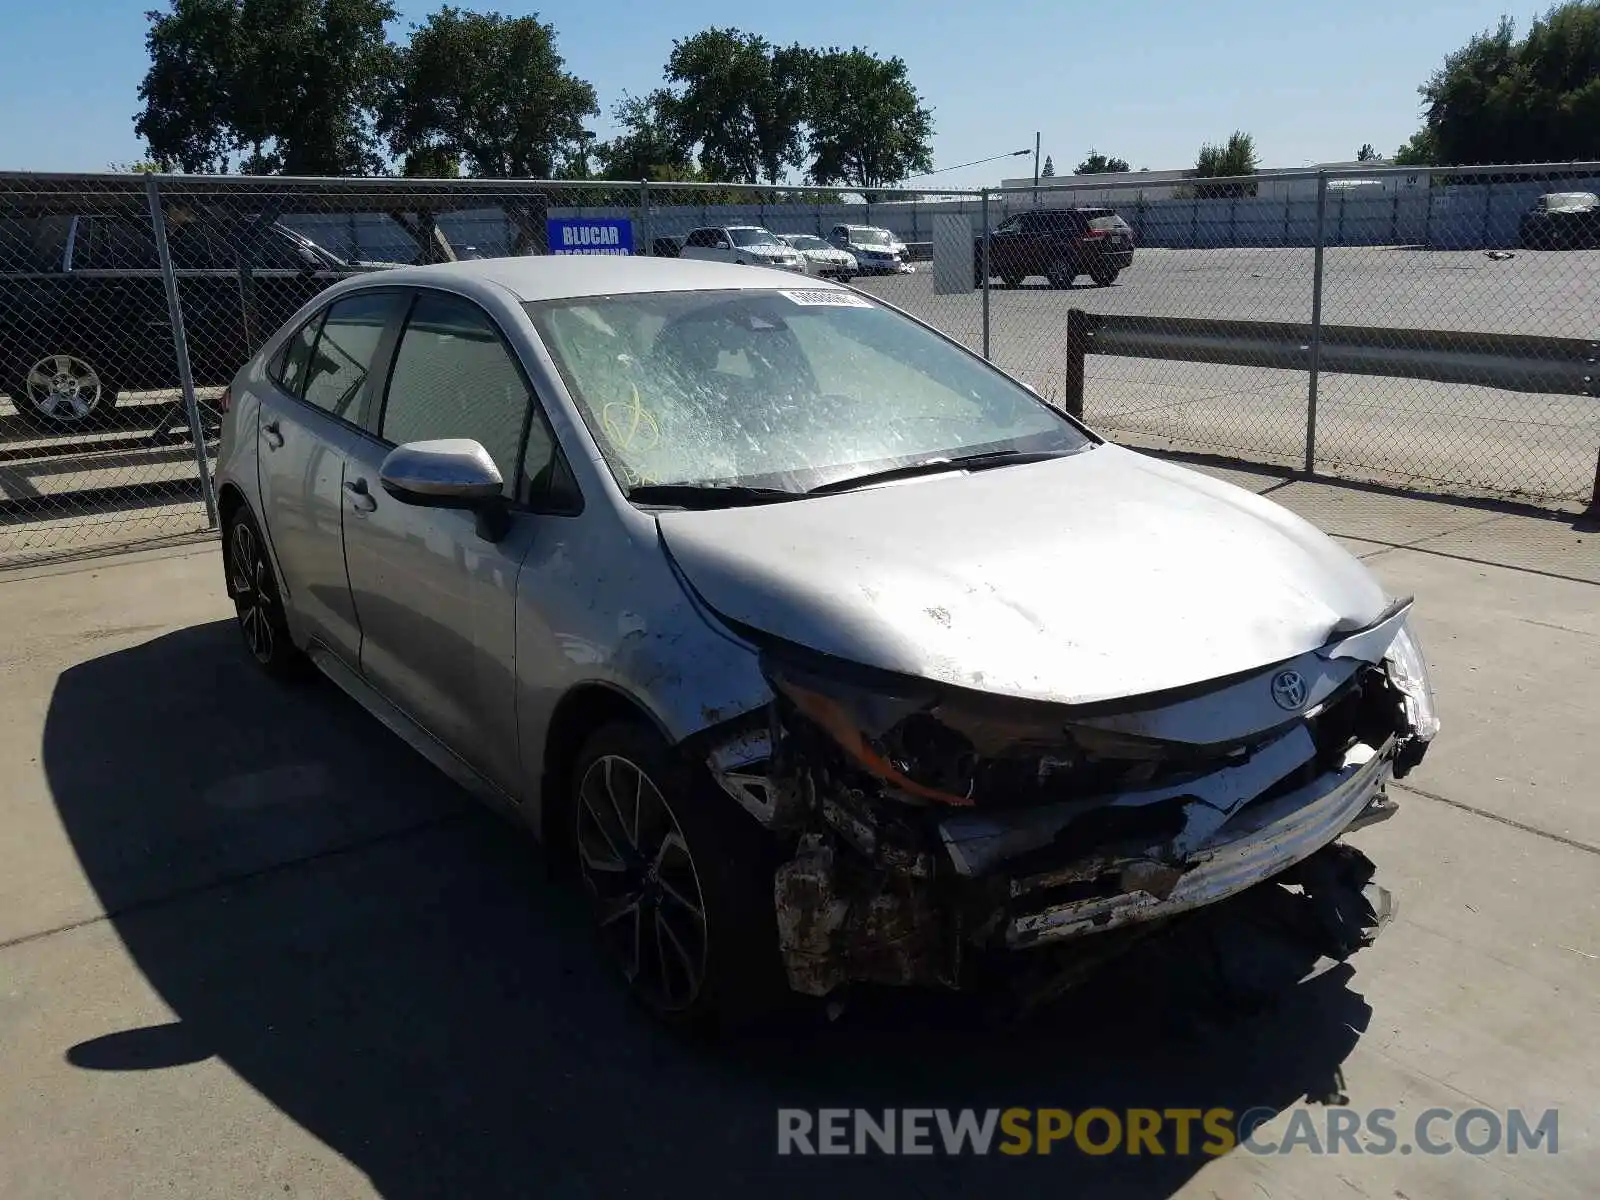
708	495
932	466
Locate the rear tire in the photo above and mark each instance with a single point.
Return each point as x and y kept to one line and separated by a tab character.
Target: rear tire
63	390
680	880
257	600
1105	278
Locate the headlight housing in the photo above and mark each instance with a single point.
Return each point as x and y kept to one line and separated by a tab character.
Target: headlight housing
1408	671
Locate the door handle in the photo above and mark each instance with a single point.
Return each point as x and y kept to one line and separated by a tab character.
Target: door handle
358	498
269	433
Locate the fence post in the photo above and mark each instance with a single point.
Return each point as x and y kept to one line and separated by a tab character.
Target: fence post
180	348
645	239
985	257
1316	327
1077	347
1488	204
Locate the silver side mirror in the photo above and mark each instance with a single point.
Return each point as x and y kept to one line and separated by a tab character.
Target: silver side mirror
448	473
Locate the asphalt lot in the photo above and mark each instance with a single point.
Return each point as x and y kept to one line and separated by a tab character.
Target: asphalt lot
250	945
1451	437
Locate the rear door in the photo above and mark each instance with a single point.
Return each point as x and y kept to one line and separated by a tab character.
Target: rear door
435	600
309	425
115	290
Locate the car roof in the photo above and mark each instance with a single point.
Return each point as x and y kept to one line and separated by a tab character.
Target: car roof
562	276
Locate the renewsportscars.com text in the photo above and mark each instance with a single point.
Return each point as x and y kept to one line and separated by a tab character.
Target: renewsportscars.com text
1179	1132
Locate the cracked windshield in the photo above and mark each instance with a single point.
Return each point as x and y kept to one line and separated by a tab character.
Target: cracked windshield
780	389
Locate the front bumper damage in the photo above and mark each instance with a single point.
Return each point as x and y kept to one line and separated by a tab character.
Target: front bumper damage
1050	846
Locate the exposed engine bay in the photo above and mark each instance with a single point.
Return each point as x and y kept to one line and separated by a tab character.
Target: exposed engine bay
937	829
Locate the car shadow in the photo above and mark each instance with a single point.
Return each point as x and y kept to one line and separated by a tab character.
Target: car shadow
396	971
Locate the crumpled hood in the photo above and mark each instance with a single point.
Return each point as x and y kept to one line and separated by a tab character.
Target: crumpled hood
1101	575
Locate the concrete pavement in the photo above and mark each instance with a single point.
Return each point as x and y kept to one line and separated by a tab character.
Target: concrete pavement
250	945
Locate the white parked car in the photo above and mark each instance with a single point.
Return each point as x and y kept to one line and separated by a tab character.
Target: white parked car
822	259
749	244
876	251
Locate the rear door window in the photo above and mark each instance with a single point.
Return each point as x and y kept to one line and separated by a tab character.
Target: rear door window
346	347
115	243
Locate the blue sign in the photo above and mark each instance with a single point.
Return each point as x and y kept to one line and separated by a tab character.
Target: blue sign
590	235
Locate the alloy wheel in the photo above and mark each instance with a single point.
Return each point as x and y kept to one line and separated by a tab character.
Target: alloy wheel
247	567
641	877
63	387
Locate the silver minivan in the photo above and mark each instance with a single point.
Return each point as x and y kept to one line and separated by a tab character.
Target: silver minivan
821	651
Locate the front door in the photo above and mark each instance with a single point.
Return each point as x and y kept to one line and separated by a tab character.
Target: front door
307	429
437	602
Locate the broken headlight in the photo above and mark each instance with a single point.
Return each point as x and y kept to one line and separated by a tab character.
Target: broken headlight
1408	671
887	730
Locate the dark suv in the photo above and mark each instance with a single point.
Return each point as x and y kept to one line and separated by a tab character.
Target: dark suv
1058	243
83	308
1562	221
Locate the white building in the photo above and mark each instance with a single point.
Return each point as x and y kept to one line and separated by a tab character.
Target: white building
1130	187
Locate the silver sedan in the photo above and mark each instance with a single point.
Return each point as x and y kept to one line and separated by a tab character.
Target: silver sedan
820	650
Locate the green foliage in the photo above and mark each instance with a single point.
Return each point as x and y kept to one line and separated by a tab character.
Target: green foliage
289	85
652	145
1367	153
315	87
1418	151
1049	169
740	101
1098	164
1233	158
490	92
868	126
1500	99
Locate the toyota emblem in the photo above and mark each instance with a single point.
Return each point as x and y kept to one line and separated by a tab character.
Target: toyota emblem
1289	690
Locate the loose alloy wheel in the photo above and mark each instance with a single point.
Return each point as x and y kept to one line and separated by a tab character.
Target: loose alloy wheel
641	876
66	389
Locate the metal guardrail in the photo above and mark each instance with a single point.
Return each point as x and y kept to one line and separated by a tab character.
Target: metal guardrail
1513	362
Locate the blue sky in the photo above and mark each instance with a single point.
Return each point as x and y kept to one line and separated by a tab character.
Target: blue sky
1142	79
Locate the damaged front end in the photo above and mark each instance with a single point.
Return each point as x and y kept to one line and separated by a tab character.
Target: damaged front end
935	828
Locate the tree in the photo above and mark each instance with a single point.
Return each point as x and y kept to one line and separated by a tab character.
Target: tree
1098	164
1233	158
868	126
1418	150
188	115
1499	99
652	146
740	102
1049	171
292	84
490	92
1366	153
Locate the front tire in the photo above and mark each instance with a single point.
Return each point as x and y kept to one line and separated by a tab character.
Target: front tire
1061	274
257	600
680	881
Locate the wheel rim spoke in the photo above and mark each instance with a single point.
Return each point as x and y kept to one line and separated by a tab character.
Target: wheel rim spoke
642	881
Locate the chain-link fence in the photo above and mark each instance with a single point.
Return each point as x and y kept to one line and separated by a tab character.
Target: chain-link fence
1427	327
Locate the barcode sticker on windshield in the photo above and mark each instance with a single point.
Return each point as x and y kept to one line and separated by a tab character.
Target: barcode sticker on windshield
827	297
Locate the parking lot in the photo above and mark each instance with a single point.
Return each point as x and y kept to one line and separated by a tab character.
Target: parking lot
1444	436
250	945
